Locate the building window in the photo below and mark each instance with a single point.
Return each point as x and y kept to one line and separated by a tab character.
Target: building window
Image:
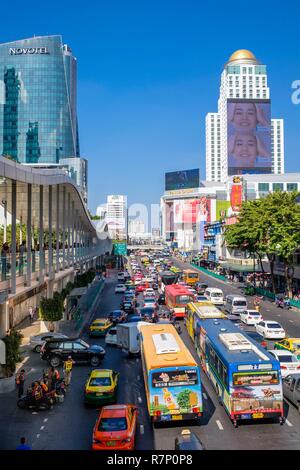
277	186
263	187
291	187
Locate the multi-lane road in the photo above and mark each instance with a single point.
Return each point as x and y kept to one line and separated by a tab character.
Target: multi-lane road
69	425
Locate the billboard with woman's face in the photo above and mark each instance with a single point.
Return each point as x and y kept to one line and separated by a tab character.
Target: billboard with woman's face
249	136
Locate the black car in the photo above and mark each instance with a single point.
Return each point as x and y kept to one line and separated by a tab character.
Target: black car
147	313
57	351
200	287
134	319
117	316
127	307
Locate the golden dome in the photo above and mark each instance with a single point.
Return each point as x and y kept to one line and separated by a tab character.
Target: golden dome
242	54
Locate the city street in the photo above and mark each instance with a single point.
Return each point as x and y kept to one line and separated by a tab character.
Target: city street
69	425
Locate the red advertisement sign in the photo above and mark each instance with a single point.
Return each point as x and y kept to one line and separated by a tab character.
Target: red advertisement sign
236	197
192	211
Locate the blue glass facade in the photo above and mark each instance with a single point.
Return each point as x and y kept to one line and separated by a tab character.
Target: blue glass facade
38	112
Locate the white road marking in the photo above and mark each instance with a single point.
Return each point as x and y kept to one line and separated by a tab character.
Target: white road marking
38	435
142	429
219	424
278	315
45	420
204	395
42	427
291	321
140	400
34	413
139	377
288	423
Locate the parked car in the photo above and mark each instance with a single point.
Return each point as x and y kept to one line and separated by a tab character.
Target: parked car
188	440
100	327
57	351
117	316
101	387
251	317
37	341
270	329
289	363
289	344
115	428
291	389
111	336
120	289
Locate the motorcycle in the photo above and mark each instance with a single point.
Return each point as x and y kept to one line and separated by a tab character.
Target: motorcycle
283	303
28	401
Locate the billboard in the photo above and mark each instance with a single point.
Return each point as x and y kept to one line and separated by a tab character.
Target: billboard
236	197
182	179
190	211
249	136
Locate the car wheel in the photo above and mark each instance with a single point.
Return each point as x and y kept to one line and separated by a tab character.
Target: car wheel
95	361
55	361
21	404
38	348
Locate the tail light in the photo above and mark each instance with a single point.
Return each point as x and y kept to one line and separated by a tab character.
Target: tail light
298	367
196	409
283	367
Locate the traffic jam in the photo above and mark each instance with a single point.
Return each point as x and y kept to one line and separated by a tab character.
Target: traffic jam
250	362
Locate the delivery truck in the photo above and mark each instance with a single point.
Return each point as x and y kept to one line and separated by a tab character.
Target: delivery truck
128	336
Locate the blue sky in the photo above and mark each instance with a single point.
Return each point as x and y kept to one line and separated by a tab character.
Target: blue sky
149	71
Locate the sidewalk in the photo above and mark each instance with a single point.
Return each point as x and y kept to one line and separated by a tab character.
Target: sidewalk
29	329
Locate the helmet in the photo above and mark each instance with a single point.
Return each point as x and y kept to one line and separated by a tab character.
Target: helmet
69	357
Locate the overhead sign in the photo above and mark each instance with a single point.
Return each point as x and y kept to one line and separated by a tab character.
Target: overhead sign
179	192
28	50
120	248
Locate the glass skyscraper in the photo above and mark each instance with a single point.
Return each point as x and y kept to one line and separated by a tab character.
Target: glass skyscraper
38	109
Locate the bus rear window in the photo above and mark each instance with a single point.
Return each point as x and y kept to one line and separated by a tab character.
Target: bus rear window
255	378
183	299
240	303
174	378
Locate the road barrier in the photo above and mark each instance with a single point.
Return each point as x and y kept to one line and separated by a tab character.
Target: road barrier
209	273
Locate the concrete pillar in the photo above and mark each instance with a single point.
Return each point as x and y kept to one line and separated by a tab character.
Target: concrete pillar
28	234
41	235
50	248
57	229
64	227
13	234
73	232
69	229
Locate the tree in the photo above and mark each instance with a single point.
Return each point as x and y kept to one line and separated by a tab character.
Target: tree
13	356
271	226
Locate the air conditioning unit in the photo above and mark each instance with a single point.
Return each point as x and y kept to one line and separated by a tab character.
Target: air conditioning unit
235	341
165	343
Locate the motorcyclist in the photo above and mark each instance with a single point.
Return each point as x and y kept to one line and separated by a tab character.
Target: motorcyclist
37	391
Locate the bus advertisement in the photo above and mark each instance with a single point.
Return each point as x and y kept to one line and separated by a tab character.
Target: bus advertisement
171	375
177	298
245	376
190	277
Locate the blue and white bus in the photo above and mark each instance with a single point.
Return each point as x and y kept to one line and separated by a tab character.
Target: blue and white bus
246	378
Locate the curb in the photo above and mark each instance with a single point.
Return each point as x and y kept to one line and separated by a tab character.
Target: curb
91	309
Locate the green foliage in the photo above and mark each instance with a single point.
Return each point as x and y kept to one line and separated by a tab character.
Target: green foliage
269	226
82	280
183	399
13	356
52	309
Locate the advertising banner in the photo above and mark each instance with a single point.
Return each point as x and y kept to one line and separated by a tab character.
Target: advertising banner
236	197
191	211
249	136
182	179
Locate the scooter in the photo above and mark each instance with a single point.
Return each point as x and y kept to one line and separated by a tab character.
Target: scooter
29	402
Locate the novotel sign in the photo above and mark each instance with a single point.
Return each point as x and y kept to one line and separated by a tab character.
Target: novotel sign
28	50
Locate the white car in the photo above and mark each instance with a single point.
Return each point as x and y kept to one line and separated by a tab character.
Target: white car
111	336
150	302
270	329
149	292
120	289
289	363
251	317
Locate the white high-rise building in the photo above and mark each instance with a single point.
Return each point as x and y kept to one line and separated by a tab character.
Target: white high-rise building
136	227
243	78
116	216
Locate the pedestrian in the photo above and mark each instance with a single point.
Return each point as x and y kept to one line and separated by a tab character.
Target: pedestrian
23	445
22	250
31	314
20	379
4	263
68	366
54	376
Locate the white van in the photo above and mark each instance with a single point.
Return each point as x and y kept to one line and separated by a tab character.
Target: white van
235	304
214	295
121	276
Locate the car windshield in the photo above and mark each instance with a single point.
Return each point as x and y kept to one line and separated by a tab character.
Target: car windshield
149	301
273	325
253	313
83	343
217	294
287	358
100	382
117	313
98	323
147	311
112	424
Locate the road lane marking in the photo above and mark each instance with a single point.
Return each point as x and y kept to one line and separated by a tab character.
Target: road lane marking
34	413
45	420
142	429
219	424
41	428
278	315
139	377
288	423
140	400
291	321
204	395
38	435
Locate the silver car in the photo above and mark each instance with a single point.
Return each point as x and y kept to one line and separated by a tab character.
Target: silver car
37	341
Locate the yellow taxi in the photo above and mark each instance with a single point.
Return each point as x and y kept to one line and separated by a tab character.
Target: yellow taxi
100	327
290	344
101	387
